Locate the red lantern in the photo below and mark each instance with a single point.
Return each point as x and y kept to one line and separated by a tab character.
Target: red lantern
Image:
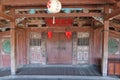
49	34
68	34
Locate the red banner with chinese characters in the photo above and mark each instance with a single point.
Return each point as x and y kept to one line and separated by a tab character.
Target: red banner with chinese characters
61	22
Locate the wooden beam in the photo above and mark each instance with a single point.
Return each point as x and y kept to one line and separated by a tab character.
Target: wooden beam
63	6
115	25
118	3
114	34
60	29
44	2
59	15
4	34
6	16
112	15
3	15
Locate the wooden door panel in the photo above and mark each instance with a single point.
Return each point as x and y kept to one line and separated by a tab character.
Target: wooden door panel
111	68
83	47
35	54
35	48
59	49
117	69
52	49
65	49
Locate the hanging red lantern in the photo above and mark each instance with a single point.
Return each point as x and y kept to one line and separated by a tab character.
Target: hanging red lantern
49	34
68	34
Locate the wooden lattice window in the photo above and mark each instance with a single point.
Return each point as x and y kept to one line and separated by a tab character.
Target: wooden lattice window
6	46
35	39
83	41
35	42
113	46
82	47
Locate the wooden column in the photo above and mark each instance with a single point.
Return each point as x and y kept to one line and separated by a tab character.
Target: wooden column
105	48
13	46
105	45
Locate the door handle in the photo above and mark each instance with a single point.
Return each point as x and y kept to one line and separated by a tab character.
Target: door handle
61	48
58	47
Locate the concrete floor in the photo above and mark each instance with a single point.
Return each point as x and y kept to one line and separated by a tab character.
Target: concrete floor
56	72
60	70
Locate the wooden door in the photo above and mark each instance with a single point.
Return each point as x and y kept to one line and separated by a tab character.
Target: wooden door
83	48
52	49
35	47
59	49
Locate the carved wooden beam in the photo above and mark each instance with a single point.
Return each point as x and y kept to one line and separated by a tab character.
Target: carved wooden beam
59	15
44	2
3	15
118	3
6	16
60	29
63	6
112	15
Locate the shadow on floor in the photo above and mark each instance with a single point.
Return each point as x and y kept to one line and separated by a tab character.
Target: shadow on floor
4	72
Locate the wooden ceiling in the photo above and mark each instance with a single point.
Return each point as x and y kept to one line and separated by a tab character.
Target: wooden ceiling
92	9
64	2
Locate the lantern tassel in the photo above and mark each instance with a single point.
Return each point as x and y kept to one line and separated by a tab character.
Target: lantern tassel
53	19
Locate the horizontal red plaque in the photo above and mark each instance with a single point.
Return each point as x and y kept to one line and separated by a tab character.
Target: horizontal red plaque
59	22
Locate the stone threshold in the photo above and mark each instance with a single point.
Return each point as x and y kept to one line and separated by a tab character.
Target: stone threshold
57	77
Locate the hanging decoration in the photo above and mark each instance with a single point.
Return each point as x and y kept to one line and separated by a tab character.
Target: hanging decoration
53	20
68	34
54	6
49	34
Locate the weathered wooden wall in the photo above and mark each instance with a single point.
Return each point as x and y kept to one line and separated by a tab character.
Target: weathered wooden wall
116	35
114	57
21	47
97	49
4	58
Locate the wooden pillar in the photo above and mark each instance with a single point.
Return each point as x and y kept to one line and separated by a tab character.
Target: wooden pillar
13	46
105	48
13	58
105	45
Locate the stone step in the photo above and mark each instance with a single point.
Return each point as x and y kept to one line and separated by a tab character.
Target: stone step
56	77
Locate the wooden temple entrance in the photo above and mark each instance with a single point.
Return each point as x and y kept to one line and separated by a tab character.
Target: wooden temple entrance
59	49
